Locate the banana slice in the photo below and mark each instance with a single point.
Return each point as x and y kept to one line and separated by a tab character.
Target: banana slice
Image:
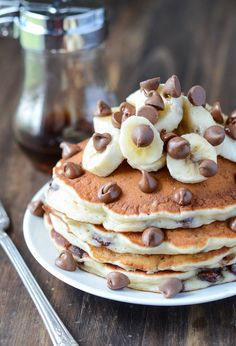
152	167
104	124
172	114
105	162
227	148
137	99
147	156
187	170
196	118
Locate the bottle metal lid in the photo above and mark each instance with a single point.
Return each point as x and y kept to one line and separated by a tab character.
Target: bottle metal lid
64	26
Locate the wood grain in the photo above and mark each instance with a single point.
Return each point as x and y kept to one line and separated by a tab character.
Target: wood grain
194	39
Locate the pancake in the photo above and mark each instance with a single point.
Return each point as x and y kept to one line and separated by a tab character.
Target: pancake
213	199
142	281
180	241
148	263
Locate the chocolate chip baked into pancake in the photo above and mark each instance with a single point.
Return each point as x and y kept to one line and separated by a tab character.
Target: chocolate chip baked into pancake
149	201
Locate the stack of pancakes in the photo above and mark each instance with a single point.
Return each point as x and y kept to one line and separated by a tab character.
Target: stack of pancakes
148	237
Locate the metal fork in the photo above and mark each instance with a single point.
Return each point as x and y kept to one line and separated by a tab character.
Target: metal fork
59	335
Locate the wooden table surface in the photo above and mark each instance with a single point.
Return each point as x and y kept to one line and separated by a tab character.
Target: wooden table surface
194	39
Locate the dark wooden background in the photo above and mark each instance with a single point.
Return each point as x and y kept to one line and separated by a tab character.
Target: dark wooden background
197	41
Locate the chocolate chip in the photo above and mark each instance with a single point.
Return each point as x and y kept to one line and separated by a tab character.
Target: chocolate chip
186	223
154	99
109	193
76	251
59	239
125	117
197	95
183	196
216	113
69	149
116	280
230	130
215	135
225	260
101	241
150	84
53	186
233	268
170	287
231	118
101	141
36	208
152	236
172	87
147	183
166	136
142	135
103	109
116	119
126	107
66	261
148	112
178	148
232	224
72	170
208	168
211	275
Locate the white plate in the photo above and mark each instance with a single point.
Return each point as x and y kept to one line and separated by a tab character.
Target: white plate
41	247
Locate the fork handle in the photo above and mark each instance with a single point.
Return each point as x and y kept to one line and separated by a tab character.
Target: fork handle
59	335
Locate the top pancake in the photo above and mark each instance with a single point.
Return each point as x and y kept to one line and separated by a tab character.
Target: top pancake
216	192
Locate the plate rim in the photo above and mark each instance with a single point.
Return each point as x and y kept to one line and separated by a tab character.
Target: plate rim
182	299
